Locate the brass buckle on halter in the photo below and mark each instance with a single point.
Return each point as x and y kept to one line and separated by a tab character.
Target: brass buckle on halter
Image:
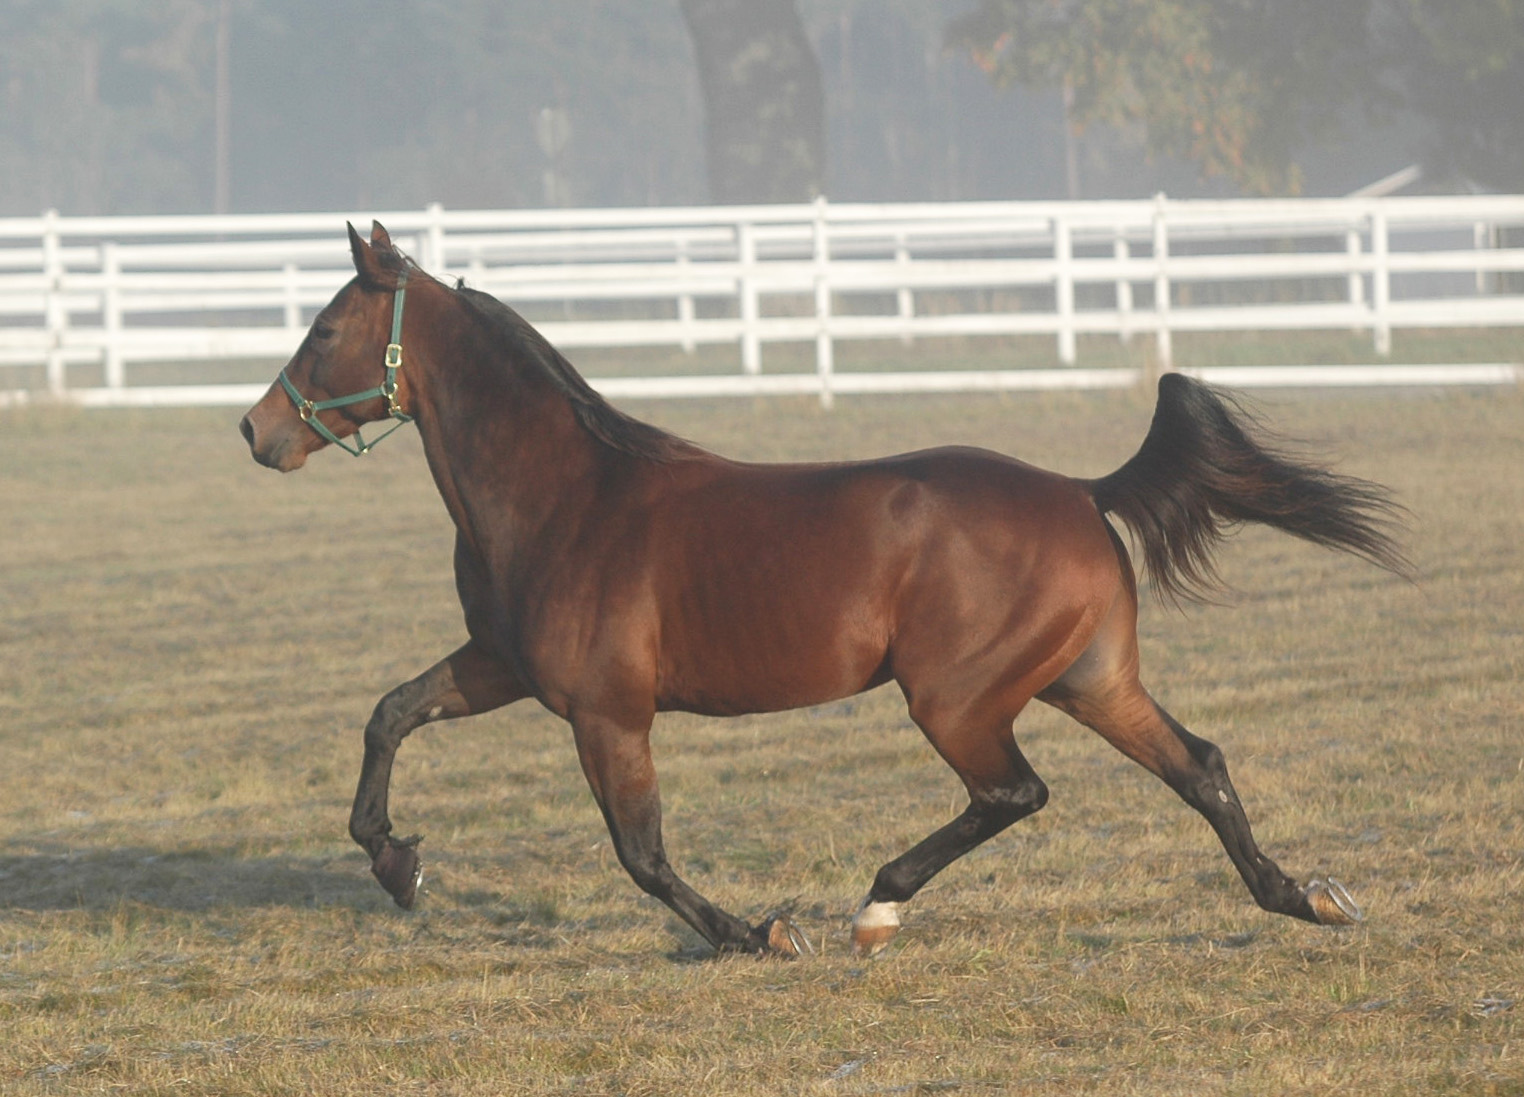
394	356
305	410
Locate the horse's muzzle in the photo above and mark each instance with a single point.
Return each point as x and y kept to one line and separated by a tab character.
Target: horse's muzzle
274	449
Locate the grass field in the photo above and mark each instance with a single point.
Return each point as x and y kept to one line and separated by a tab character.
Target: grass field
189	646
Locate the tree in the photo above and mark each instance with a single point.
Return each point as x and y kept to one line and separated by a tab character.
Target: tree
112	106
1233	86
1461	66
763	104
105	105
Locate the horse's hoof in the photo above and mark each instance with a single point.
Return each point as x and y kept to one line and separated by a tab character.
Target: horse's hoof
1332	903
400	871
784	938
874	927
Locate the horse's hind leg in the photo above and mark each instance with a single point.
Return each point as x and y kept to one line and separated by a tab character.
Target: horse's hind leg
465	682
1101	691
1002	789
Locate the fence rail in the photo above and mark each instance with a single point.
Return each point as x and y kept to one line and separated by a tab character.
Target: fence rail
86	303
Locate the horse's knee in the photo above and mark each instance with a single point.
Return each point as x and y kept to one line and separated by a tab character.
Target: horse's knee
1036	797
390	721
999	808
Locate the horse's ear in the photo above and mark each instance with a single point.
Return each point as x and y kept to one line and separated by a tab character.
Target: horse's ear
369	263
379	237
357	246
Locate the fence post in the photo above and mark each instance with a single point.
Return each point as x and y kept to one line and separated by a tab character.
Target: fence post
746	289
293	302
1356	275
1166	350
1121	251
685	310
1063	286
824	351
111	315
434	250
1381	284
905	297
56	315
1483	237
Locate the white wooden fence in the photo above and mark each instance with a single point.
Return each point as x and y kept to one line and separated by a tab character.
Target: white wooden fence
91	307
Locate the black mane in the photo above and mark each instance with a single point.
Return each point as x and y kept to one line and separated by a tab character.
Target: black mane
596	415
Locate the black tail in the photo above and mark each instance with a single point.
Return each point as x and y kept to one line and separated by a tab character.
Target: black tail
1201	471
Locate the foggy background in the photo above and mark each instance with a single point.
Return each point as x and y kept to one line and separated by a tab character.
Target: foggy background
183	106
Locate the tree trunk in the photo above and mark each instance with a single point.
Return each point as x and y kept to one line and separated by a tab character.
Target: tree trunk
763	101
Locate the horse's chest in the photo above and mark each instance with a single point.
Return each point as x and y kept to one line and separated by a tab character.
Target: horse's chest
557	628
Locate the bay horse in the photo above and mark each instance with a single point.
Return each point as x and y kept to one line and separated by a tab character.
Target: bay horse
611	571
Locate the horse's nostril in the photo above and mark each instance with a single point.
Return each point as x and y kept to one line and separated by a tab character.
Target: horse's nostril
246	429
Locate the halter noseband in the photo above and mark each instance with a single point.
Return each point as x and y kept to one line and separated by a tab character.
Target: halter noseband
387	389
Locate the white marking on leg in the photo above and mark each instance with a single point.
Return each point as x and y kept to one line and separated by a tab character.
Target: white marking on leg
435	711
874	927
873	915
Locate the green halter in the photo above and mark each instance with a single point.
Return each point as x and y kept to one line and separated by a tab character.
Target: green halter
308	409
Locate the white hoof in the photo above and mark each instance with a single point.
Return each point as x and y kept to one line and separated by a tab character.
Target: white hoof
874	927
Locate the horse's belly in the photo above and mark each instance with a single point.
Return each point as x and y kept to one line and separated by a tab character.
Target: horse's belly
767	658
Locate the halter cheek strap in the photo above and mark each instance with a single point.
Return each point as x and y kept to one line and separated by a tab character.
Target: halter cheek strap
387	389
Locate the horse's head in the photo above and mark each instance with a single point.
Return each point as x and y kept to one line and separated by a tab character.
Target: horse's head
346	373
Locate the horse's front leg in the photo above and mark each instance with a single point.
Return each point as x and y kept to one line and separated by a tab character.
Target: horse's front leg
616	757
465	682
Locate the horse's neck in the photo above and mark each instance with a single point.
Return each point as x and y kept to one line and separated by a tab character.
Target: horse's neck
502	441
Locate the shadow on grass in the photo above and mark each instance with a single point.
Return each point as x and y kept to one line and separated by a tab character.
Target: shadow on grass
198	880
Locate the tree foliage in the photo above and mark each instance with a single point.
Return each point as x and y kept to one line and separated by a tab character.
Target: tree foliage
763	102
1461	65
98	102
1233	86
108	106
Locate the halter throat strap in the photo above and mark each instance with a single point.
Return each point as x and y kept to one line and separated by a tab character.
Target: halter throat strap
387	389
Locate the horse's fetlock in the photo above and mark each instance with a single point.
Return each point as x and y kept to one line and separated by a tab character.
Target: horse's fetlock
890	887
368	836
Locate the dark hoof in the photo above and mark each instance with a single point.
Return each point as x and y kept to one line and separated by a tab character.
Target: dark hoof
780	937
399	870
1332	904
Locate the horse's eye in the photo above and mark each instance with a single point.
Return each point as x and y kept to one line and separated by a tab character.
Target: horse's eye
322	329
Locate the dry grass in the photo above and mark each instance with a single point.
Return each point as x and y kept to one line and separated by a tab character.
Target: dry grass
189	645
